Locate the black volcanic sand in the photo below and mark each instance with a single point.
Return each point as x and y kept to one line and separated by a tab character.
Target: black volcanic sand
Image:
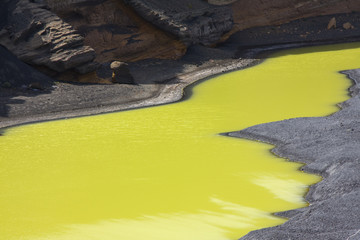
157	82
330	146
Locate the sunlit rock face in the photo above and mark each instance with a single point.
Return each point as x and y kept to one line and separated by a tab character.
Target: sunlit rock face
116	32
39	37
63	35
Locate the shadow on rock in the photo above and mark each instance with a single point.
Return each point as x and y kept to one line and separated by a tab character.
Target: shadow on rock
19	79
161	71
303	32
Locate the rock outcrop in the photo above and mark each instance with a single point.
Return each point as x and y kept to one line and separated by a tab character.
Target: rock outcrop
64	35
253	13
121	73
116	32
192	21
40	38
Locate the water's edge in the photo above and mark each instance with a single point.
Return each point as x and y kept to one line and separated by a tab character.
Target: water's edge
327	198
329	148
172	90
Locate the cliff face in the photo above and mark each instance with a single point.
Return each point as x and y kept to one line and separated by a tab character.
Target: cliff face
124	29
253	13
39	37
116	32
80	35
192	21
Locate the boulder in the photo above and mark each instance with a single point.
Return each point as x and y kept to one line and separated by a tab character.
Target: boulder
332	23
121	73
348	25
192	21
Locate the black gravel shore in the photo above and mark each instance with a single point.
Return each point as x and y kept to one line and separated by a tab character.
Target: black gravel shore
330	147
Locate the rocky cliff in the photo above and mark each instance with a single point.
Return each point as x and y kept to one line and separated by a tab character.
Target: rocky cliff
40	38
115	31
253	13
78	36
192	21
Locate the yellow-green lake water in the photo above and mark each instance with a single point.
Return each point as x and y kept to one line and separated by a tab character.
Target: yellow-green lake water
163	172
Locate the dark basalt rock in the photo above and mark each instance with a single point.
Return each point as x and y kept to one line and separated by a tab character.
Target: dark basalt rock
14	73
39	37
192	21
220	2
121	73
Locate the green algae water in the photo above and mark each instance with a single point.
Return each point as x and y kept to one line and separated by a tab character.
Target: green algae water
164	172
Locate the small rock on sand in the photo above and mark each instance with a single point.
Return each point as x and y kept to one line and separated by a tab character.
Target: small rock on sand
332	23
121	73
348	25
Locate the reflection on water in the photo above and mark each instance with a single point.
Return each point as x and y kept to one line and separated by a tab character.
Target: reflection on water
164	172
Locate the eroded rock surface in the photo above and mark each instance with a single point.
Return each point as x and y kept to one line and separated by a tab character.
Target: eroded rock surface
116	32
69	34
253	13
39	37
307	30
330	147
193	21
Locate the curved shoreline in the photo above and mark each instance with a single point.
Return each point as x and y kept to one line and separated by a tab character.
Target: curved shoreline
158	81
214	95
330	200
170	92
328	147
155	90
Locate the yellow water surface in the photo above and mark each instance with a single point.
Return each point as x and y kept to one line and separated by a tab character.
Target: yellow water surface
163	172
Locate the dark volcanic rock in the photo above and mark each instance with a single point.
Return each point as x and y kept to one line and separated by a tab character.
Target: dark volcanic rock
39	37
116	32
220	2
252	13
15	73
193	21
121	72
313	29
330	147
